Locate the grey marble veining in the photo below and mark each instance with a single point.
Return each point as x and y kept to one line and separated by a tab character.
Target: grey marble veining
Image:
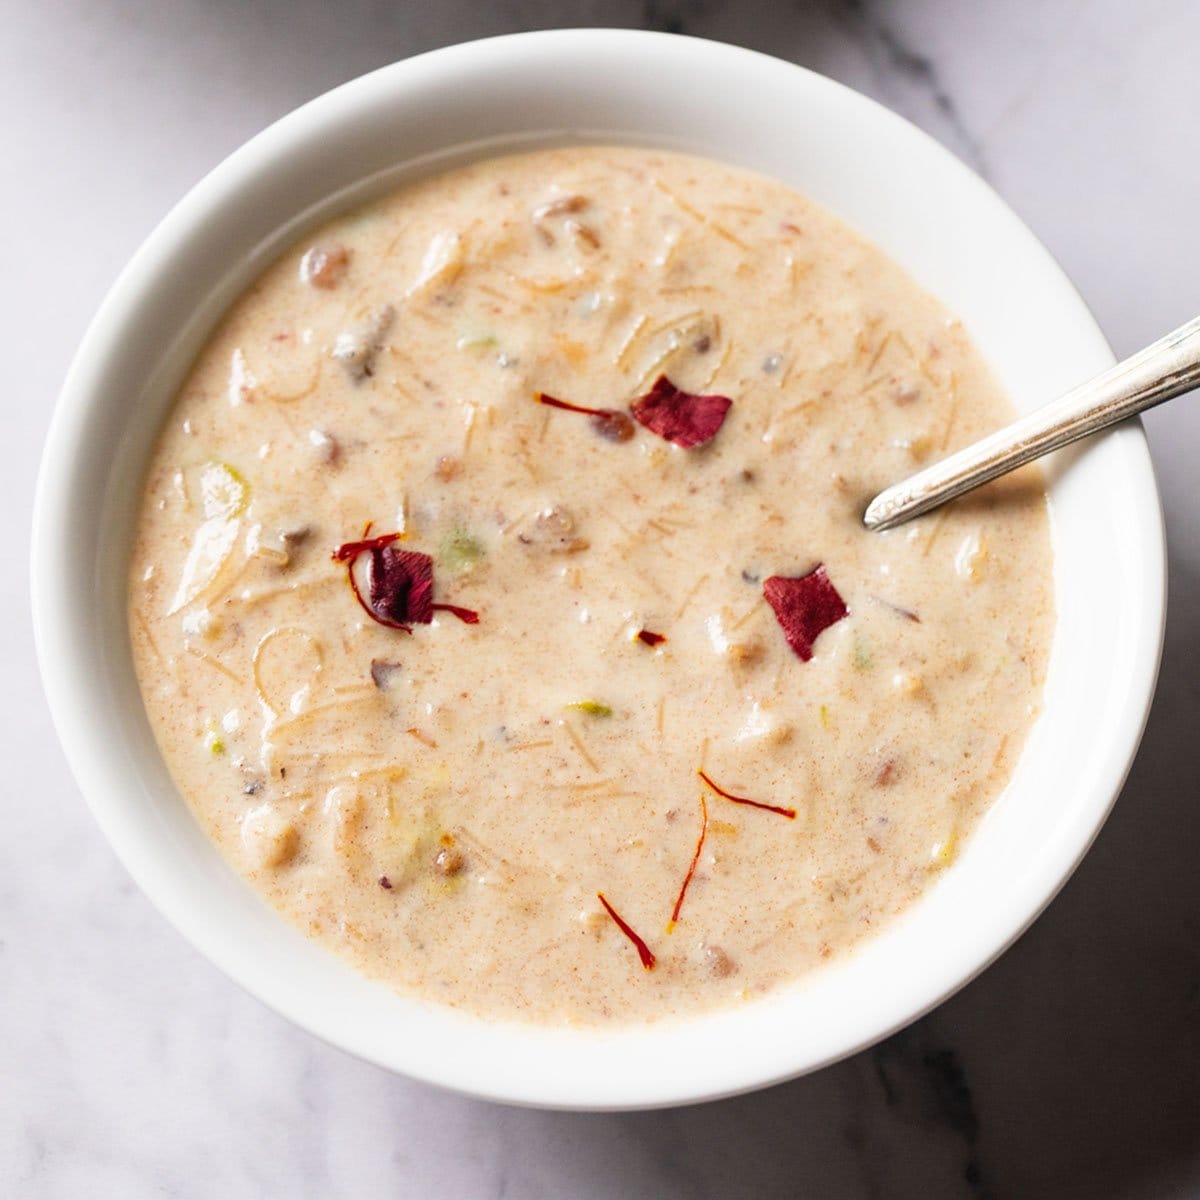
1071	1068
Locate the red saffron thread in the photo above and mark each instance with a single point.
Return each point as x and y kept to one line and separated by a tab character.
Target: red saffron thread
643	950
611	423
790	813
467	615
687	879
553	402
650	638
349	551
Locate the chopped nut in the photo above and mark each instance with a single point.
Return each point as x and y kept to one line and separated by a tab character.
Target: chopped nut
273	554
294	535
383	673
270	839
764	727
445	257
476	341
325	448
553	530
904	391
583	233
918	446
276	555
448	861
746	653
942	853
356	349
613	425
971	557
908	683
718	964
594	921
256	547
201	622
448	467
325	264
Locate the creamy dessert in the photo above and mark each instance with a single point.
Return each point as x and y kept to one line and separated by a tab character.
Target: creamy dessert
501	603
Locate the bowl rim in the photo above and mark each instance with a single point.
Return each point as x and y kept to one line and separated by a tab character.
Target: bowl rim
58	641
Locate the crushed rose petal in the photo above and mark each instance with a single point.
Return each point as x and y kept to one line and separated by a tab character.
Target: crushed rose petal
680	417
804	607
399	583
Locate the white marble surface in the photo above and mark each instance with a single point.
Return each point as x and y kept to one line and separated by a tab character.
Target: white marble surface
130	1068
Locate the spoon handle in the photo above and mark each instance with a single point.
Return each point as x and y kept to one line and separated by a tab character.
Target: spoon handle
1162	370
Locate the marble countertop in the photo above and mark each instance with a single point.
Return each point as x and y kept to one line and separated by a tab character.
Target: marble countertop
132	1068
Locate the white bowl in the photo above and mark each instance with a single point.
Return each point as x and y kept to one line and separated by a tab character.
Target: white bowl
865	164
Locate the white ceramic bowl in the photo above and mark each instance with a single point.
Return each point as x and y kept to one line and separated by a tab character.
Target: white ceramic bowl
867	165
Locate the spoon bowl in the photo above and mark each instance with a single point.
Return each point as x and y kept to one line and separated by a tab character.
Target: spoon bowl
1165	369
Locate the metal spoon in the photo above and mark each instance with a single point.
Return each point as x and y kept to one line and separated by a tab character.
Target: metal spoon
1165	369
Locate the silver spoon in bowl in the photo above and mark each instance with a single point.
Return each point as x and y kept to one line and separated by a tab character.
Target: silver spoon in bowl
1162	370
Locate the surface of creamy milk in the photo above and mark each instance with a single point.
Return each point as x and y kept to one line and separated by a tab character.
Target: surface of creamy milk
446	806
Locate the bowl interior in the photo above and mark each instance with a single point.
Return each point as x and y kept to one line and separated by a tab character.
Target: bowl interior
863	163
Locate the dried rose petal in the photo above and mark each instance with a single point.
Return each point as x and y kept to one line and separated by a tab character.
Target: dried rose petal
680	417
399	583
804	607
348	553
